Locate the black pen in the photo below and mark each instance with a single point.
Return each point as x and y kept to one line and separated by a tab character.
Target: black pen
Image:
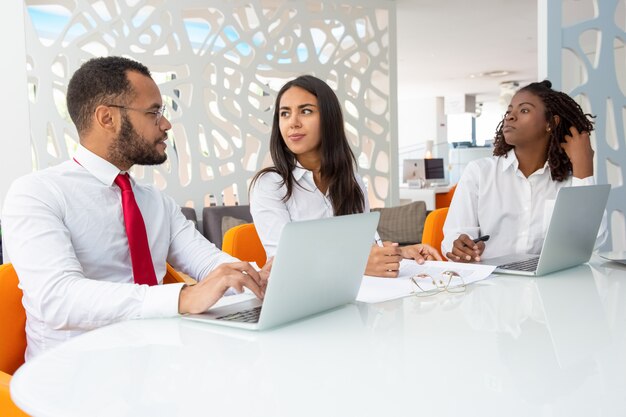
481	239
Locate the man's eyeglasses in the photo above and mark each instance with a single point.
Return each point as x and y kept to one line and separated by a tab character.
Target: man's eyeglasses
157	113
450	281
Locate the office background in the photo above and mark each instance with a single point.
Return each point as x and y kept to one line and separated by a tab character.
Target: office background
220	63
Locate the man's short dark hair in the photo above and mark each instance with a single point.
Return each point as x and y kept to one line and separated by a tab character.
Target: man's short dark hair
99	81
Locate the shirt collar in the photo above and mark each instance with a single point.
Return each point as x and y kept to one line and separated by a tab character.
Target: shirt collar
299	171
511	161
100	168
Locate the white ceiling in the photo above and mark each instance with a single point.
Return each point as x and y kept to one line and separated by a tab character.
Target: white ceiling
442	43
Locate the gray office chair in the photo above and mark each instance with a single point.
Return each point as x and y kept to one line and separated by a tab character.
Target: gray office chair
190	214
402	224
216	220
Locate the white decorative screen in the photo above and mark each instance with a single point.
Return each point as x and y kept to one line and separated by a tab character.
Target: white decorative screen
593	70
219	65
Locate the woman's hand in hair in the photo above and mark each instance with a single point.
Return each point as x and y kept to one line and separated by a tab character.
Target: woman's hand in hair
384	261
421	253
577	146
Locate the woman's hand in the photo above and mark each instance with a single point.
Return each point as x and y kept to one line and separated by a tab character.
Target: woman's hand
384	261
577	146
421	253
465	250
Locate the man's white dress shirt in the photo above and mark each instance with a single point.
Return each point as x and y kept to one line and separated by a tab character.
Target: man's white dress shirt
307	202
494	198
63	228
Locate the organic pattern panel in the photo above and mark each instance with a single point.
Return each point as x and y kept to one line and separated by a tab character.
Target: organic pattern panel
593	48
219	65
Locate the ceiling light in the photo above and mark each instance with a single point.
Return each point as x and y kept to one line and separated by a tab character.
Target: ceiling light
497	73
489	74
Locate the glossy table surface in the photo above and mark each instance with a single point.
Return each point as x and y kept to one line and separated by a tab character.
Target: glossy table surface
550	346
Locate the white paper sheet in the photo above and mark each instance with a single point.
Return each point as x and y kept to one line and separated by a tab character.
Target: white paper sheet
376	290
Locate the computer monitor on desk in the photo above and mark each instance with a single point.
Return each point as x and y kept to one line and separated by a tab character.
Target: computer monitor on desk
424	172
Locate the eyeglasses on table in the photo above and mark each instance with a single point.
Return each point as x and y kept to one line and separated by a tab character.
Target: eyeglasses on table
449	281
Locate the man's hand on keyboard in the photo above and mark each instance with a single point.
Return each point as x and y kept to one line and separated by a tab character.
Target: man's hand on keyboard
199	297
264	273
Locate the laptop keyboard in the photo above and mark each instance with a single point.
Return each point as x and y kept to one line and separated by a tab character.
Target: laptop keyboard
529	265
247	316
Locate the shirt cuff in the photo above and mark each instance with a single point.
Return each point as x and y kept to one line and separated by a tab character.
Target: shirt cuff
161	301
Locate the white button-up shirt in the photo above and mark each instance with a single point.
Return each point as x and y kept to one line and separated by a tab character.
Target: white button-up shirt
494	198
307	202
63	230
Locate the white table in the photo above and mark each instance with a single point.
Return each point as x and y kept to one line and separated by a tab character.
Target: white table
552	346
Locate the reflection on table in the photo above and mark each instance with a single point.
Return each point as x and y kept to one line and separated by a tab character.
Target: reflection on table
507	346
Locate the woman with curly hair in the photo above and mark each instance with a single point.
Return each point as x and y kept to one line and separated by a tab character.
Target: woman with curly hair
313	175
541	145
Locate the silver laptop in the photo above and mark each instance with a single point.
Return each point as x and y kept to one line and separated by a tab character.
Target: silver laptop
319	265
571	234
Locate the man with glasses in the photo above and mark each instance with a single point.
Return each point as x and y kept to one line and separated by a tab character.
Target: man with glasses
90	244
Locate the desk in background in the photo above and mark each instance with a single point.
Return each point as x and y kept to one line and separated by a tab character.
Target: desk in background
554	345
426	195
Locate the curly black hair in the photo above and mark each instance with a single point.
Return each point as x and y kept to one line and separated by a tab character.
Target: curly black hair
570	114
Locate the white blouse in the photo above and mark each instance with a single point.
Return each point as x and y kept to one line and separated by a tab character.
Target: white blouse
494	198
270	213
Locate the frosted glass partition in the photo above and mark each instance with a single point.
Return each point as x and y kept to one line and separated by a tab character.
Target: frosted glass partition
590	37
219	65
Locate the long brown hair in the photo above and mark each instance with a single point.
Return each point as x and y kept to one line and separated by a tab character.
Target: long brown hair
338	162
570	114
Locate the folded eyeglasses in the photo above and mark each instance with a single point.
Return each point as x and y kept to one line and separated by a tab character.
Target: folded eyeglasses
450	281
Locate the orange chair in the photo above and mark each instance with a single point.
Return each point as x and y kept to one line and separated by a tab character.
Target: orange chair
433	228
172	276
444	200
243	243
13	336
7	406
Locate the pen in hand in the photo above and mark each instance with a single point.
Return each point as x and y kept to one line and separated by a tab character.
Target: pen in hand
481	239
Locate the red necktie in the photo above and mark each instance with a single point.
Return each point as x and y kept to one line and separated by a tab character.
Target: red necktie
143	269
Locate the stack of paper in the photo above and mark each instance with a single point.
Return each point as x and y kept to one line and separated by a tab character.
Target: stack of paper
376	289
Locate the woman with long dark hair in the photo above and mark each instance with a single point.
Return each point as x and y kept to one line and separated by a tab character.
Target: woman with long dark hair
313	175
541	145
